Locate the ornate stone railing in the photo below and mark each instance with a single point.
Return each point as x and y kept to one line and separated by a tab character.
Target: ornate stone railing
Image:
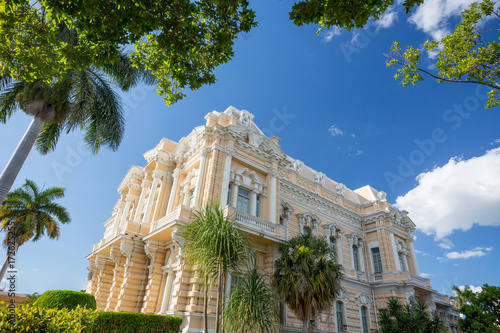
255	223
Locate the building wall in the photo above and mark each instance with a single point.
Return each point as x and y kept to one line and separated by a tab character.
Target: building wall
137	266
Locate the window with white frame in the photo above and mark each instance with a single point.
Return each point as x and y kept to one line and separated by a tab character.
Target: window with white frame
364	319
257	205
401	262
340	316
191	198
377	260
243	200
229	194
333	245
171	294
355	257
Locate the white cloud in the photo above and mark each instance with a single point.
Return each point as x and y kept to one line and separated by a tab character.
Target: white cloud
334	130
474	289
476	252
359	152
456	196
328	36
433	15
425	275
387	20
495	142
445	243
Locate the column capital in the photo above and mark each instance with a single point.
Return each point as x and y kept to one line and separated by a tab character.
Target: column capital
177	173
146	183
131	197
274	173
159	174
230	151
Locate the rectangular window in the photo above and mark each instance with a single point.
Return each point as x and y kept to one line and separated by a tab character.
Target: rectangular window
340	317
191	198
243	202
172	286
333	245
236	280
355	256
229	192
282	312
311	323
364	319
257	205
377	260
401	262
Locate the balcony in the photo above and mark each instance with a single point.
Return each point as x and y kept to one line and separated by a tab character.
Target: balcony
256	225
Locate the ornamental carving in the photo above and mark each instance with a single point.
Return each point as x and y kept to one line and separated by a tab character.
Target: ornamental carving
340	188
309	220
364	299
356	239
333	230
320	178
297	166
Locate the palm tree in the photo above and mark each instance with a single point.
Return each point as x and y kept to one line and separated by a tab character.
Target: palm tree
409	318
459	297
307	276
252	306
82	99
213	246
29	213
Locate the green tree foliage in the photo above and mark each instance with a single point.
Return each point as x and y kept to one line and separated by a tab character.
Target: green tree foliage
29	213
65	299
409	318
346	14
107	321
252	305
214	245
181	42
481	310
307	276
464	56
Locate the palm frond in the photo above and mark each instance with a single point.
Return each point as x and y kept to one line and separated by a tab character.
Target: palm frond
48	137
8	100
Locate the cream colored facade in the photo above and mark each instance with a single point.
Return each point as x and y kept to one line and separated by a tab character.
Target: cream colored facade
138	266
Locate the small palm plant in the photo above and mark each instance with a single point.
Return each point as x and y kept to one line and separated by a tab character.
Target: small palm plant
307	276
214	245
252	305
28	213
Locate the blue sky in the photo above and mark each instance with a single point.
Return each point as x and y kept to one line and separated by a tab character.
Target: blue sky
346	117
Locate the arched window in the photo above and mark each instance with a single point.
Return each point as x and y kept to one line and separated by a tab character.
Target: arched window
306	231
364	319
340	316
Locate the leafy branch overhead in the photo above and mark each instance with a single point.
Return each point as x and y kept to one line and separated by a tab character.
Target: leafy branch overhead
463	56
180	42
346	14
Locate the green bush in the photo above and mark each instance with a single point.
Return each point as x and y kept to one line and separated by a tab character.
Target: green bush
65	299
128	322
29	318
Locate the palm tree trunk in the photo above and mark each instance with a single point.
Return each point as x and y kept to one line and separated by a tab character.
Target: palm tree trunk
6	263
219	292
17	159
205	303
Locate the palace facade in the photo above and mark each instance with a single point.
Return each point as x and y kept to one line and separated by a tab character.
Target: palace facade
137	266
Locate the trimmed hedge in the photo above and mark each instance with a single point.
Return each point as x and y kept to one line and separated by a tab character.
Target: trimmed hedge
29	318
65	299
129	322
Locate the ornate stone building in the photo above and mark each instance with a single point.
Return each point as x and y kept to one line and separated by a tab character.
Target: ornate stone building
137	266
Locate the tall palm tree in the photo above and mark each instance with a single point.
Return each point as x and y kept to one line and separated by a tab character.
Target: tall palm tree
459	298
307	276
252	305
28	213
213	246
82	99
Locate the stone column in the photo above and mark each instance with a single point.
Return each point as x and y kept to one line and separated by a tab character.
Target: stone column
225	177
253	204
201	174
186	192
126	211
116	257
146	183
173	191
235	195
395	250
152	251
414	256
351	243
157	175
339	248
272	198
361	256
160	203
118	217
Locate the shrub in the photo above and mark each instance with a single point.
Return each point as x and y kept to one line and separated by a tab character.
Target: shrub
65	299
128	322
29	318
